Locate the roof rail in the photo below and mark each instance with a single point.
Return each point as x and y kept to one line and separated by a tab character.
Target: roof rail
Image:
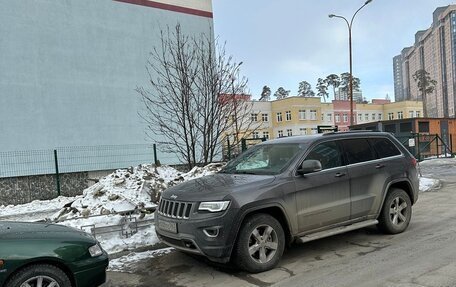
348	132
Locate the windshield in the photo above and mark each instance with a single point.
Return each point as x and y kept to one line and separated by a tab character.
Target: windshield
264	159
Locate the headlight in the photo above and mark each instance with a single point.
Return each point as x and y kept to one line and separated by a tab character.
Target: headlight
214	206
95	251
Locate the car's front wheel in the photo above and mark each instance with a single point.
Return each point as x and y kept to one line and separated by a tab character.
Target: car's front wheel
43	275
260	243
396	212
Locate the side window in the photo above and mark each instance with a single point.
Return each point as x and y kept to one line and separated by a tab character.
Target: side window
327	153
358	150
384	147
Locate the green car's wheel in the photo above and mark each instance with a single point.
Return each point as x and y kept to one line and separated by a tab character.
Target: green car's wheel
40	275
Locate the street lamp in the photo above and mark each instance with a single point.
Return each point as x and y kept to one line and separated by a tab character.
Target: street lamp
349	24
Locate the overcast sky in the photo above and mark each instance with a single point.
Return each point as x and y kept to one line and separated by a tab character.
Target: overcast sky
284	42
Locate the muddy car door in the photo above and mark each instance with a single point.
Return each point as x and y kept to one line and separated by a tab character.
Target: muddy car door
323	197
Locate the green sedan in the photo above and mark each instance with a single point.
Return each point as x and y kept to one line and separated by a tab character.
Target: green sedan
49	255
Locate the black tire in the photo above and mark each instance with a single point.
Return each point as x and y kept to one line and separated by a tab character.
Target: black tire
396	212
263	233
48	273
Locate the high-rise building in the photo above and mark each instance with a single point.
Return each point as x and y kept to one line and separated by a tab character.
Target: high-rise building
434	51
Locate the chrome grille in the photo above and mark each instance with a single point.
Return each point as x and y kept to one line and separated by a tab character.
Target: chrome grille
174	209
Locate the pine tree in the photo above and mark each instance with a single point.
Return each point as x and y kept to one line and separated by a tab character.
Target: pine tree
322	89
426	86
334	81
345	83
305	90
265	94
281	93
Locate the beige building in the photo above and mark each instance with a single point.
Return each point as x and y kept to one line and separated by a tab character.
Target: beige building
434	51
301	115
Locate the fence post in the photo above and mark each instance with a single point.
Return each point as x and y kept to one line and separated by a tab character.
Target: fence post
57	175
229	148
437	144
244	145
451	144
418	146
155	154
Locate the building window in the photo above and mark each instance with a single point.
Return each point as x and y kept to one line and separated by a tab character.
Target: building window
329	117
254	117
337	118
322	117
302	131
380	116
289	132
279	116
288	115
373	117
313	131
400	115
280	133
265	117
345	118
423	127
313	115
302	114
411	114
266	135
390	116
417	114
366	117
256	135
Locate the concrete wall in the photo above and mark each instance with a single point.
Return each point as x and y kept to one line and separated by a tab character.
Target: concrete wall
19	190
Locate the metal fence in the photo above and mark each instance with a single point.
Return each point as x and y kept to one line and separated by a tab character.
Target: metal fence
425	145
78	159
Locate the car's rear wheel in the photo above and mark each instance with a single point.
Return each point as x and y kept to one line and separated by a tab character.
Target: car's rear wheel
260	243
396	212
40	275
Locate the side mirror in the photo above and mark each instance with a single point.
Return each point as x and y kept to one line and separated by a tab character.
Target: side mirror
309	166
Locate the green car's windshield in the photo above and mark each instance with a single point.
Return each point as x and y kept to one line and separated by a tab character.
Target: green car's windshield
265	159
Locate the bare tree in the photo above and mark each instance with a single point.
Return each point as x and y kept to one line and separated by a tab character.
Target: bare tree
188	104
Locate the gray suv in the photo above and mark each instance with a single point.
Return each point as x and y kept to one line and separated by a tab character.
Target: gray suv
291	189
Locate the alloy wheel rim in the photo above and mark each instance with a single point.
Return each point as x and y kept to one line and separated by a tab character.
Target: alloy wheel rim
263	244
40	281
398	211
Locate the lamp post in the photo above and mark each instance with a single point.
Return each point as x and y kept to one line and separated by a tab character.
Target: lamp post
350	24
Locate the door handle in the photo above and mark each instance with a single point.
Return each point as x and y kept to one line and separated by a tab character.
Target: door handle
378	166
340	174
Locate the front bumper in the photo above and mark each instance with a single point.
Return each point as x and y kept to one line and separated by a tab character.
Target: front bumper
95	274
190	236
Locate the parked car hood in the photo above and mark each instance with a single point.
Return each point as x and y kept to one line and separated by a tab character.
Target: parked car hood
34	230
216	187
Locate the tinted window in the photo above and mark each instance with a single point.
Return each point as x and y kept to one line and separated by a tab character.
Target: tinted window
327	153
358	150
384	147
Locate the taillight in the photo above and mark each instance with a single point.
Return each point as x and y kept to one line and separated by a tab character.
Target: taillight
413	161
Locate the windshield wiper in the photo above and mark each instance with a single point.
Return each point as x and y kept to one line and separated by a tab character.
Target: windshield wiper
244	172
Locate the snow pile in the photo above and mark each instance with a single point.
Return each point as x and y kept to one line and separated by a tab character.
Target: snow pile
129	189
429	184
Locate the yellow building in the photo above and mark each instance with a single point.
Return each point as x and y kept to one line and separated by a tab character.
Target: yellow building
302	115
